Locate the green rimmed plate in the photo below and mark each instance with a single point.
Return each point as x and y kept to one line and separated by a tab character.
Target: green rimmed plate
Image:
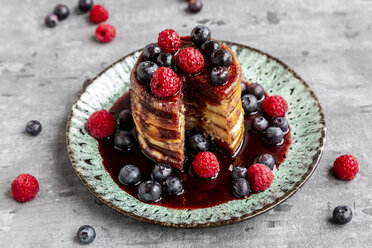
305	116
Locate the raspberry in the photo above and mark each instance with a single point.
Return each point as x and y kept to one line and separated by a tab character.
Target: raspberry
169	41
260	177
105	32
275	106
165	82
205	165
346	167
190	60
98	14
101	124
24	188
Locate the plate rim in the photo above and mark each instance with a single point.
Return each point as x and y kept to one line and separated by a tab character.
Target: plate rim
313	165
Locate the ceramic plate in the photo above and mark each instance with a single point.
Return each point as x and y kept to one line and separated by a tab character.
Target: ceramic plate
305	116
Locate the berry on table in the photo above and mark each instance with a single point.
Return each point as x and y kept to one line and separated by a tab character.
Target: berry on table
266	159
195	6
342	215
24	188
241	187
150	191
86	234
260	177
85	5
275	106
33	127
190	60
209	47
346	167
62	11
151	51
219	75
206	165
198	143
169	41
166	60
282	123
125	120
200	34
165	82
274	136
98	14
260	124
105	33
129	175
221	57
239	172
124	141
249	103
51	20
101	124
145	71
174	185
257	90
161	172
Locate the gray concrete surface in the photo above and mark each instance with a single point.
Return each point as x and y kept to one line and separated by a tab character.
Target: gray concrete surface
328	42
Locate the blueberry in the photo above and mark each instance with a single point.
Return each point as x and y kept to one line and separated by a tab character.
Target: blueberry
200	34
342	215
198	143
145	71
62	11
266	159
86	234
124	141
87	83
243	87
161	171
274	136
239	172
129	175
174	185
85	5
219	75
151	51
125	120
257	90
166	60
221	57
241	187
150	191
282	123
51	20
33	127
260	124
249	103
209	47
195	5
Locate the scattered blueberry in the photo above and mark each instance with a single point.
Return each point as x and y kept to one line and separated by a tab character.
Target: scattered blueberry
209	47
282	123
221	57
51	20
124	141
145	71
86	234
195	6
200	34
161	171
241	187
342	215
266	159
219	75
243	88
174	185
129	175
274	136
33	127
87	83
150	191
260	124
62	11
257	90
85	5
151	51
125	120
198	143
166	60
239	172
249	103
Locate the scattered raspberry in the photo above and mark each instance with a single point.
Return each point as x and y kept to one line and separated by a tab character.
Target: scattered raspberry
260	177
190	60
24	188
275	106
206	165
98	14
165	82
101	124
105	32
346	167
169	41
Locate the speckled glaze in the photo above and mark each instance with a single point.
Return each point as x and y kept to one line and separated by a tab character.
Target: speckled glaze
305	116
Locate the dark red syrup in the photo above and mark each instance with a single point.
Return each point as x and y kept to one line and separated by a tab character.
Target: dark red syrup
198	193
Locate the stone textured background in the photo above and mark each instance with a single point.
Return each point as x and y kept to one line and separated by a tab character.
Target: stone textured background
329	43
